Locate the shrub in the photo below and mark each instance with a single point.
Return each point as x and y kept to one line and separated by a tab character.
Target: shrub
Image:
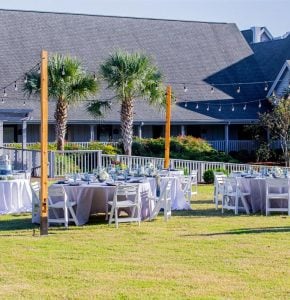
181	147
208	175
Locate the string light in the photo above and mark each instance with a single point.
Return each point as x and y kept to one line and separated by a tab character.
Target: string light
25	79
24	103
4	93
238	89
233	108
184	88
245	106
2	101
185	104
38	70
260	104
212	90
196	107
266	86
15	86
220	108
207	107
95	78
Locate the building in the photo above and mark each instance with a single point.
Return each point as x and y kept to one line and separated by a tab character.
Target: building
226	79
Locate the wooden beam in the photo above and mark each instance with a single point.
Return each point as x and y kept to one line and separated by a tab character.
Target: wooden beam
167	127
44	141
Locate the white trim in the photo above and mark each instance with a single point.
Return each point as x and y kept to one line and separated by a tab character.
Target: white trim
274	85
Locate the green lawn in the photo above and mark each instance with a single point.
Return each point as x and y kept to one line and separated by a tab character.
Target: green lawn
197	254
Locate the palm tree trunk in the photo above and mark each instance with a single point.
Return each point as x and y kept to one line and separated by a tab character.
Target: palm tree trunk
127	124
60	116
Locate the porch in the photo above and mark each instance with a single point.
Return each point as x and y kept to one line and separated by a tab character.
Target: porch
222	137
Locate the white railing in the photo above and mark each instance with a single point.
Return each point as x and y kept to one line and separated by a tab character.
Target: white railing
234	145
72	161
85	161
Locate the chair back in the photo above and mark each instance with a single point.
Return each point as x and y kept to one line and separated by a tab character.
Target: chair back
126	192
193	176
230	185
56	193
277	185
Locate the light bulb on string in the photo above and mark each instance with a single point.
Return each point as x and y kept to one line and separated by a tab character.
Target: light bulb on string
233	107
184	88
15	86
4	93
238	89
260	104
212	90
220	108
245	106
196	107
2	101
185	104
94	76
207	107
38	70
24	103
25	79
266	86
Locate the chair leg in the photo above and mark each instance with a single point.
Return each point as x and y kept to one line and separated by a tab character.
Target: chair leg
72	212
116	217
65	217
236	204
111	214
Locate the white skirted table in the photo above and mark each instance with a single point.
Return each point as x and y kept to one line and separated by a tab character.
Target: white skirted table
15	196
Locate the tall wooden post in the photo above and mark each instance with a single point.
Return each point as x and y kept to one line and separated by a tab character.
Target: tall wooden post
44	141
167	127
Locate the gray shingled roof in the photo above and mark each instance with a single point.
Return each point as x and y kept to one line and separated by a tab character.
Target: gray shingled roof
197	53
248	35
271	56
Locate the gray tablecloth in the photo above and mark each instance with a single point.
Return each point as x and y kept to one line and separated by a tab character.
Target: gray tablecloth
93	198
257	189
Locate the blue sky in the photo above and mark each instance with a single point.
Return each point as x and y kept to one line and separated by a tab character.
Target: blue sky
274	14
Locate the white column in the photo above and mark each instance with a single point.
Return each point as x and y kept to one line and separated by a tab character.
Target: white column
92	133
182	130
24	134
1	137
140	132
227	138
24	144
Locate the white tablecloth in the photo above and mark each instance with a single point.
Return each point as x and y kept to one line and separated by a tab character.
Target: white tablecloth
178	201
93	198
15	196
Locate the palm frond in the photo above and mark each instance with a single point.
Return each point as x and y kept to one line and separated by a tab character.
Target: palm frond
98	108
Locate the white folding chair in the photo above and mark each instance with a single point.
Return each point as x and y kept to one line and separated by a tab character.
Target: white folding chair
35	188
233	198
193	176
277	189
163	201
219	178
126	196
60	206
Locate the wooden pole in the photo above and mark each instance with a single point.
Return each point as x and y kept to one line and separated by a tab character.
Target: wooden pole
167	127
44	140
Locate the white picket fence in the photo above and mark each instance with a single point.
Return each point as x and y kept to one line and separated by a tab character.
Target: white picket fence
85	161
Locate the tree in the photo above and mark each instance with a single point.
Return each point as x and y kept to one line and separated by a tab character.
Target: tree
278	122
68	83
132	76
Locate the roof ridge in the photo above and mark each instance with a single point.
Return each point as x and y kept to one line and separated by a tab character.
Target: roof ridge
109	16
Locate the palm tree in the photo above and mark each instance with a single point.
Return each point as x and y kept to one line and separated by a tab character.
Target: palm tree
68	83
132	76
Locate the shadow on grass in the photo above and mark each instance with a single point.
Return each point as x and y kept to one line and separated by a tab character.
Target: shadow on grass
246	231
16	223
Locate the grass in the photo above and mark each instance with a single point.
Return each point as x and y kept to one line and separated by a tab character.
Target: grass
197	254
